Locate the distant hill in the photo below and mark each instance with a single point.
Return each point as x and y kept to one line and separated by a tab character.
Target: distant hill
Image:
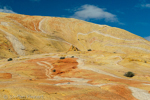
27	35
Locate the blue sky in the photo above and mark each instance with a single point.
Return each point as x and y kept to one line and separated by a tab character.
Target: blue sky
131	15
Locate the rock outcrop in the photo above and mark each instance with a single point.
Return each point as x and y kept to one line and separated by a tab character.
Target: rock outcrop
72	48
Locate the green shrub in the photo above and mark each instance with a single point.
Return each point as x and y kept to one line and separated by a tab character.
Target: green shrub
62	57
129	74
10	59
89	50
54	70
72	56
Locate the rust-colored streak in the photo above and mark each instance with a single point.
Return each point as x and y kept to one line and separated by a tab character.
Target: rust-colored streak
5	75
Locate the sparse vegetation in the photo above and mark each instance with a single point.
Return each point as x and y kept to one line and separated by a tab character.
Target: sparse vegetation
10	59
129	74
72	56
62	57
54	70
89	50
34	50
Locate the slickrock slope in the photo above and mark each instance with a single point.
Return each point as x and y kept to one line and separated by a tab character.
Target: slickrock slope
26	35
37	73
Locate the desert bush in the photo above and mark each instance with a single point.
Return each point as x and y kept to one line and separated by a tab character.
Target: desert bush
10	59
89	50
129	74
34	50
62	57
54	70
72	56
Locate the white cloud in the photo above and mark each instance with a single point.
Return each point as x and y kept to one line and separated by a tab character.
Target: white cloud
147	38
6	10
145	5
86	12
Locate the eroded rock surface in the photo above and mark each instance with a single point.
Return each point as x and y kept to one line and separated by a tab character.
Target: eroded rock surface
96	57
20	35
98	76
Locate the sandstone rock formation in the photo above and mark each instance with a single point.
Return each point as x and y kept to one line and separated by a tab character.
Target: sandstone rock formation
36	72
72	48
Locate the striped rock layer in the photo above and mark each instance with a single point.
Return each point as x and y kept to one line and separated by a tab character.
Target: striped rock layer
36	72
